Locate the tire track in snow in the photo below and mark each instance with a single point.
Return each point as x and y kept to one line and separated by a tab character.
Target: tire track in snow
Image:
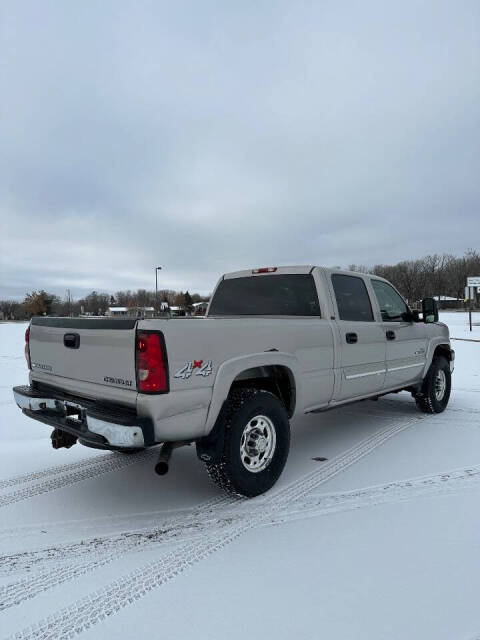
25	560
75	552
170	528
311	481
392	492
111	463
470	412
109	550
54	471
103	603
95	607
436	484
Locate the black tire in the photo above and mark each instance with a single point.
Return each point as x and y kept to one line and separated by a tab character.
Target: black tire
231	474
429	400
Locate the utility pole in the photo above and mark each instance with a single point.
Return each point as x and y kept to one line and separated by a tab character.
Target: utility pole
156	288
472	282
69	301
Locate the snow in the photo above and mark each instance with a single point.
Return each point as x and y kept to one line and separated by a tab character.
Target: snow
379	541
459	325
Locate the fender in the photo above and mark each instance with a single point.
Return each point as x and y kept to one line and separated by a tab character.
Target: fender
432	345
230	369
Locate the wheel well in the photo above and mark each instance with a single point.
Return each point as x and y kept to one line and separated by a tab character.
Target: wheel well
277	379
443	350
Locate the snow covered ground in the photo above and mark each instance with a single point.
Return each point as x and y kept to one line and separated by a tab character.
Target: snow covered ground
380	541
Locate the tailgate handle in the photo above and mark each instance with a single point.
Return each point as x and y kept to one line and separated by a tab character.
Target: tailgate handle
71	340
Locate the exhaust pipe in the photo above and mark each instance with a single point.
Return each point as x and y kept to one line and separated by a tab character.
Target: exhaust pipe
163	462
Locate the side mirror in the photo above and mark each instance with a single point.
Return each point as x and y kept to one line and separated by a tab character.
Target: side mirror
415	317
430	310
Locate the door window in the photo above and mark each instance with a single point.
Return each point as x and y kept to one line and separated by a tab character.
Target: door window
352	297
392	306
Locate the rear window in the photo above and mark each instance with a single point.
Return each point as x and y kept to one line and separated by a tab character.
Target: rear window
278	295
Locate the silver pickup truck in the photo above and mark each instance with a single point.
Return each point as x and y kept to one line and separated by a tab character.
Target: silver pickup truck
276	342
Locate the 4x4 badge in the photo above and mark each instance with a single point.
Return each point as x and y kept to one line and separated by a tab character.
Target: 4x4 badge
194	367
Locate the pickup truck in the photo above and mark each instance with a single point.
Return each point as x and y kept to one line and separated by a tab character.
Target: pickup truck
276	342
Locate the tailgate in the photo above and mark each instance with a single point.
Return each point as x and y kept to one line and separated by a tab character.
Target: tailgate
88	350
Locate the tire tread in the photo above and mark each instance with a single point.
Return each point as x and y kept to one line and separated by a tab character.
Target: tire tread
218	471
424	399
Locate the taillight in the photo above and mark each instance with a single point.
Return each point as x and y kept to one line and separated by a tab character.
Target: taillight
27	347
264	270
152	366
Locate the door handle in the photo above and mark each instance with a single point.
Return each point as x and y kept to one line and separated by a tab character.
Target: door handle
390	335
71	340
351	338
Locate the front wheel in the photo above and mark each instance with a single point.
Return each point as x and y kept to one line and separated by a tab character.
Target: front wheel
436	387
256	445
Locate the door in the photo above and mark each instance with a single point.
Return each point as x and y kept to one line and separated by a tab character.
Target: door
406	341
362	343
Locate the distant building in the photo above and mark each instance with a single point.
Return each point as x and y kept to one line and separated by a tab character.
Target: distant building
447	302
116	311
142	312
200	308
177	312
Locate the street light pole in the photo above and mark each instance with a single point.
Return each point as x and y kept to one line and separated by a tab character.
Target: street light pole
156	289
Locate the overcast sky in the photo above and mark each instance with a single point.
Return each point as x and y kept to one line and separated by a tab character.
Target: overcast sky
212	136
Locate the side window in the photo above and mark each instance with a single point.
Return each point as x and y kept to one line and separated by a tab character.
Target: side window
353	301
392	305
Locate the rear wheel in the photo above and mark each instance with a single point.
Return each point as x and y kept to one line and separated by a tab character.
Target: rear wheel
256	445
436	387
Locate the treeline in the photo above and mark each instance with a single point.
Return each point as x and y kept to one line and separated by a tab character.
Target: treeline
433	275
95	303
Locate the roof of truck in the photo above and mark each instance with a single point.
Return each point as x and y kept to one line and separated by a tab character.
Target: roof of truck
275	270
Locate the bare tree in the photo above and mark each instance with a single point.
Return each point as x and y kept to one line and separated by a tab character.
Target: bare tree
39	303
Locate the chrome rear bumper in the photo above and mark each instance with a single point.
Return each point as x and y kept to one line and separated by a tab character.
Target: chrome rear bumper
93	424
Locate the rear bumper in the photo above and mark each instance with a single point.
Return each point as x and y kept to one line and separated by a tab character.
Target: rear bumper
103	426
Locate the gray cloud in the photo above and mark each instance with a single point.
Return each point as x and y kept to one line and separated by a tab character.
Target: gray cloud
208	137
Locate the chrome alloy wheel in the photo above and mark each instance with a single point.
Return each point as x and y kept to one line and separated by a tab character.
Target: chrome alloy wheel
440	384
257	444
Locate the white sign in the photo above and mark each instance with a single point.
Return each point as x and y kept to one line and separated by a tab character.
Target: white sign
473	281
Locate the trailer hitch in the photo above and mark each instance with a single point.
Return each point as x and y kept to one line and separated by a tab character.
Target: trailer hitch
61	439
